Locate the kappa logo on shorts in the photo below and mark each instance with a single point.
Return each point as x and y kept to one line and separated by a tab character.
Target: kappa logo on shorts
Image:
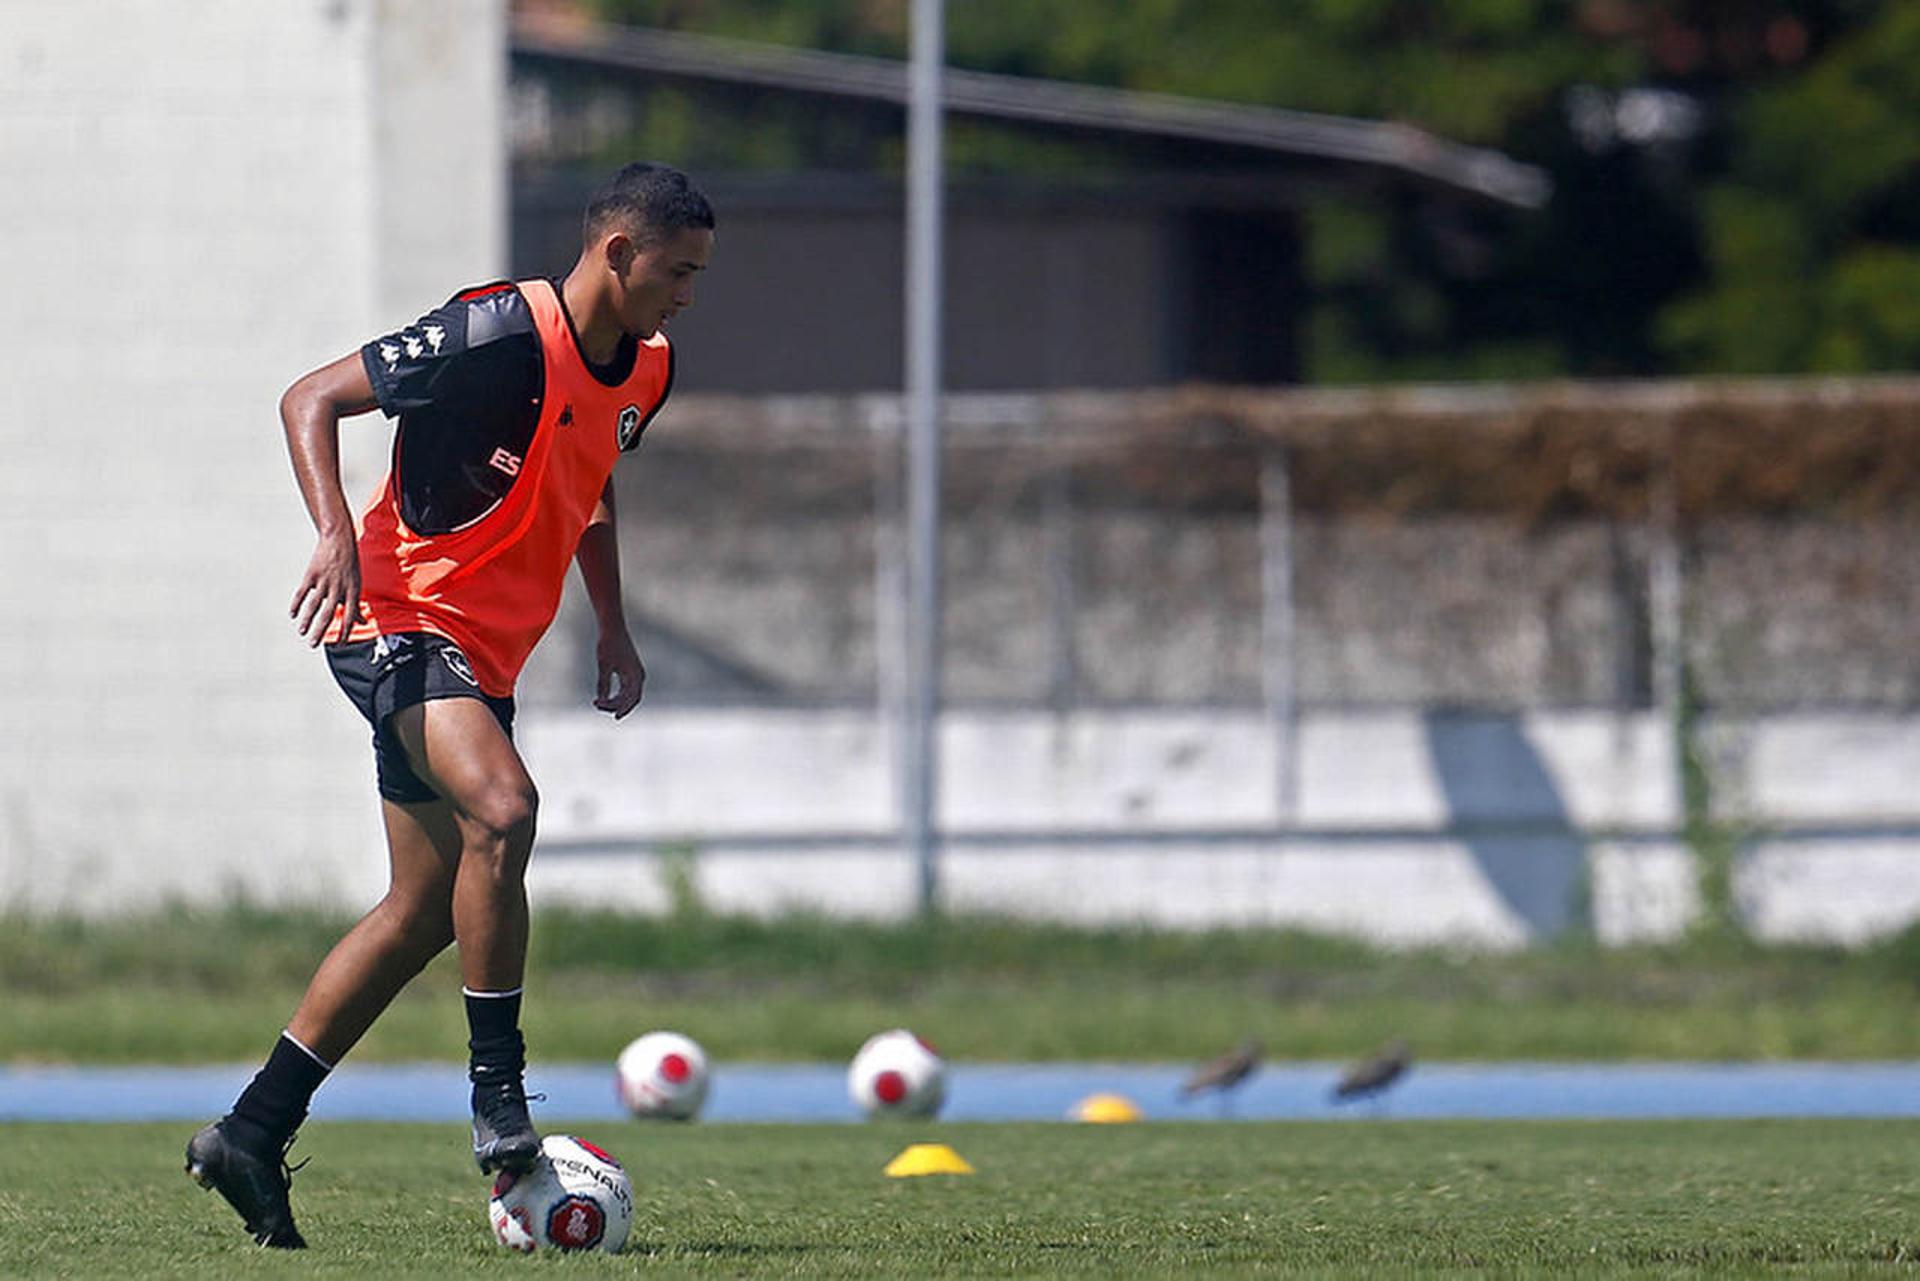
629	426
392	652
457	664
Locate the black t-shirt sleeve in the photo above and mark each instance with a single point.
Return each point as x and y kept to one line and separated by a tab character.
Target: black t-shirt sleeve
408	366
465	381
473	347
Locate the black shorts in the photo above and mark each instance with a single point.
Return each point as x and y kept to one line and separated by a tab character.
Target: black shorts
388	673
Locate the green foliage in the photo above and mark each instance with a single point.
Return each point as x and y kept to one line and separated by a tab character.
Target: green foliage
1710	838
1463	67
1871	306
1900	954
1811	232
212	950
1785	240
853	953
1317	1199
185	988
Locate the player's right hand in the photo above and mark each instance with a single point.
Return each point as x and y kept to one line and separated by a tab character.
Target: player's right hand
331	584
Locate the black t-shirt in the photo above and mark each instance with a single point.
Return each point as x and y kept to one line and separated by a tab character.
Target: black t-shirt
465	380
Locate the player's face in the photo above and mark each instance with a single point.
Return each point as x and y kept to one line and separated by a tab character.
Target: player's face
658	281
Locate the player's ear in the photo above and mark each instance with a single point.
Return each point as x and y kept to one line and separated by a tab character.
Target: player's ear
620	251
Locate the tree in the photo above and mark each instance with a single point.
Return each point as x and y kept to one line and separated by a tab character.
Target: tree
1813	230
1735	179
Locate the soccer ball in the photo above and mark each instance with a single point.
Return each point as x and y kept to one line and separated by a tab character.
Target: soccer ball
576	1197
662	1075
897	1074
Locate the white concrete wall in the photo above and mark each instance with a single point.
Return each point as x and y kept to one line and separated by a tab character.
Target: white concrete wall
752	772
1410	828
201	202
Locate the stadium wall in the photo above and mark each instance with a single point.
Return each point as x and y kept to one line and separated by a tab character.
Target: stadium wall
1406	827
210	199
203	201
1503	606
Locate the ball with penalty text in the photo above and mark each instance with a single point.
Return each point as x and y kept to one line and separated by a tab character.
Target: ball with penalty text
897	1074
662	1076
575	1198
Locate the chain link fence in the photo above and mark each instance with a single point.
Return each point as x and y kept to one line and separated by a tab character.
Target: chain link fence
1490	549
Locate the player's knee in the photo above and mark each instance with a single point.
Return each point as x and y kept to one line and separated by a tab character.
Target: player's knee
428	926
504	812
422	922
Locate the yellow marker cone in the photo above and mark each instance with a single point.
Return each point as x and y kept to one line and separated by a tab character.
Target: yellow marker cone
927	1158
1106	1109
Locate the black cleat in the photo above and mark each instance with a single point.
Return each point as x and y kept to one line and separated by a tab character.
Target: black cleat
503	1133
253	1185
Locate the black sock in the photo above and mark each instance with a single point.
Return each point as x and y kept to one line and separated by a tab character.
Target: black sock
272	1107
499	1052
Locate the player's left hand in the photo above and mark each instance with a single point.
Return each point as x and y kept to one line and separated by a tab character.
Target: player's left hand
622	675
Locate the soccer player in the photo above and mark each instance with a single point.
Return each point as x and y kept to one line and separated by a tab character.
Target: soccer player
515	401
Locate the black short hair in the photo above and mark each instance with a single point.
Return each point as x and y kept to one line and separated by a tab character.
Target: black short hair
647	201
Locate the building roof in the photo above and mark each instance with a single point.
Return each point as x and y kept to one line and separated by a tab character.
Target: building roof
1388	146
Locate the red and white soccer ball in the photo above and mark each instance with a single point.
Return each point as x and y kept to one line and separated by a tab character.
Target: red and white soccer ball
576	1197
897	1074
662	1076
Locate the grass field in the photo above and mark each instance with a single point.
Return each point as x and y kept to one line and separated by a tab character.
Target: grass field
1828	1198
187	987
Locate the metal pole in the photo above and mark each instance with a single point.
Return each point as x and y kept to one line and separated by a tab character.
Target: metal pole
889	570
1277	634
1666	585
919	760
1057	521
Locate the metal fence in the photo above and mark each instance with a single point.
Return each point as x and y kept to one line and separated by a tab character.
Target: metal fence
1502	550
1459	663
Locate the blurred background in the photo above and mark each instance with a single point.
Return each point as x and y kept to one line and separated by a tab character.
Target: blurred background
1438	473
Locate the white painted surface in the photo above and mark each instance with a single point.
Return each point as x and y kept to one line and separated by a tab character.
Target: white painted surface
196	212
1399	892
1829	890
205	200
1415	829
1583	768
709	773
753	771
1390	890
1107	771
1828	768
1642	892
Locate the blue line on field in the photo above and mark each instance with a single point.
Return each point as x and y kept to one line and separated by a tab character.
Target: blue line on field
1015	1092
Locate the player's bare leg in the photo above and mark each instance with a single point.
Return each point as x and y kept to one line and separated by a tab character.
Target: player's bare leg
393	942
242	1155
458	746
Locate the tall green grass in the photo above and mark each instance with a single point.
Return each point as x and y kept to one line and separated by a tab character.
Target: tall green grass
183	985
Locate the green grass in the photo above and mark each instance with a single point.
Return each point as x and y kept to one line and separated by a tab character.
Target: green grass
184	986
1823	1198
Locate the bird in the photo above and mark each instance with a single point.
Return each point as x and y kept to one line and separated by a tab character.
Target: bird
1371	1077
1225	1074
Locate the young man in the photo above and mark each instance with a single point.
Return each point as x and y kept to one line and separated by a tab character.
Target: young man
514	401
